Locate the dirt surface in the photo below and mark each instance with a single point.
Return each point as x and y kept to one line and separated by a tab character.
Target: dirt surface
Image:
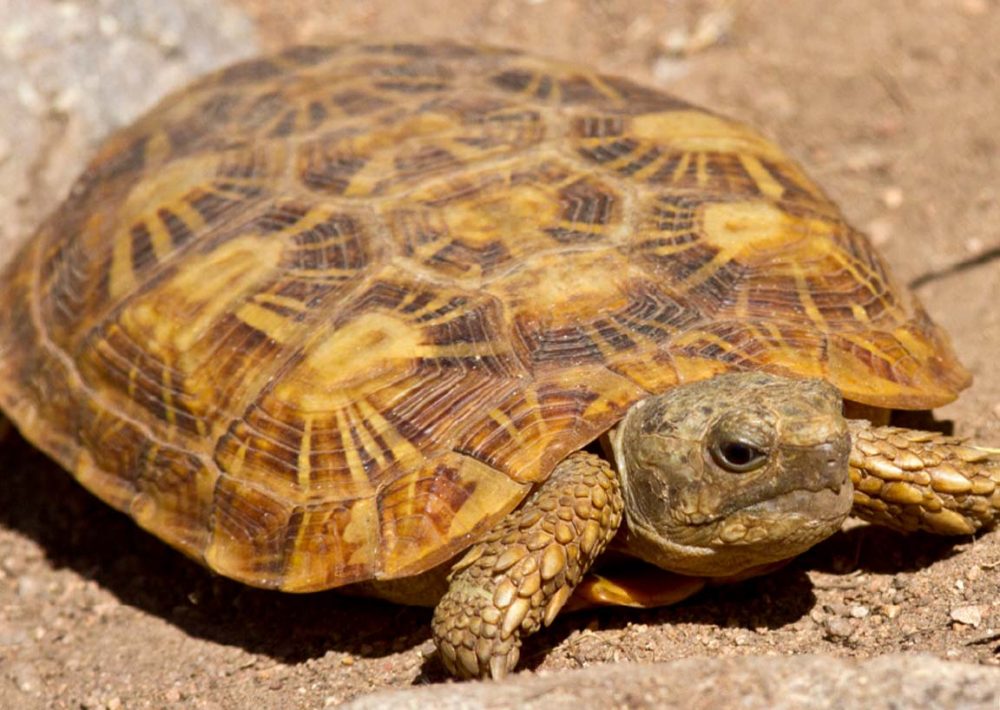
891	105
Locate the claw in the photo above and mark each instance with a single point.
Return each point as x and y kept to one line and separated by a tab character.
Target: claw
501	665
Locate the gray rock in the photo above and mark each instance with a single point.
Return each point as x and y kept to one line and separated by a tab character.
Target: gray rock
71	71
816	682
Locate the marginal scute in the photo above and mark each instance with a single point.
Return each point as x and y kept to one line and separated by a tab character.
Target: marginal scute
425	508
328	316
174	492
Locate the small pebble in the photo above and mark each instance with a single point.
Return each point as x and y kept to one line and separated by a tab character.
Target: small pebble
26	677
667	69
108	25
837	608
710	29
11	635
880	230
674	41
865	158
968	615
892	197
28	587
975	8
837	628
14	565
173	695
106	609
30	98
859	612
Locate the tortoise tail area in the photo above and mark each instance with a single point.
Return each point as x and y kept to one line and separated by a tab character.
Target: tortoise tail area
39	388
30	383
12	326
43	395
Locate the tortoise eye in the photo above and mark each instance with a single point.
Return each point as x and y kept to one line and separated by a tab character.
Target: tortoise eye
737	456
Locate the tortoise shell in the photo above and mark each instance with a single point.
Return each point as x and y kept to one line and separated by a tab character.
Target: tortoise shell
327	316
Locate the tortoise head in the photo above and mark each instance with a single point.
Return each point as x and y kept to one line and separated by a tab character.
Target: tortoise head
732	473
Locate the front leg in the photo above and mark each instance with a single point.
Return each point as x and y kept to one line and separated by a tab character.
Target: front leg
917	480
521	575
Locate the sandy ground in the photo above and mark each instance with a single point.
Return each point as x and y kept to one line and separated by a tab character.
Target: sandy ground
891	105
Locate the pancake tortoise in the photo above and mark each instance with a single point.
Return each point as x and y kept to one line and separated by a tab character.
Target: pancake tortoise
441	323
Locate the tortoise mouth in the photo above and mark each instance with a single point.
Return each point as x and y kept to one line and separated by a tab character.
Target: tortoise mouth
787	517
761	534
755	535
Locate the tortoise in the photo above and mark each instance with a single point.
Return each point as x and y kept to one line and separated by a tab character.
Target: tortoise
442	324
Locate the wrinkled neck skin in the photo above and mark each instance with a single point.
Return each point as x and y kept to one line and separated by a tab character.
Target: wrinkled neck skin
686	513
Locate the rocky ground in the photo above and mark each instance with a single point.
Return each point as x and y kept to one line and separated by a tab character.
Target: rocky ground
891	105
